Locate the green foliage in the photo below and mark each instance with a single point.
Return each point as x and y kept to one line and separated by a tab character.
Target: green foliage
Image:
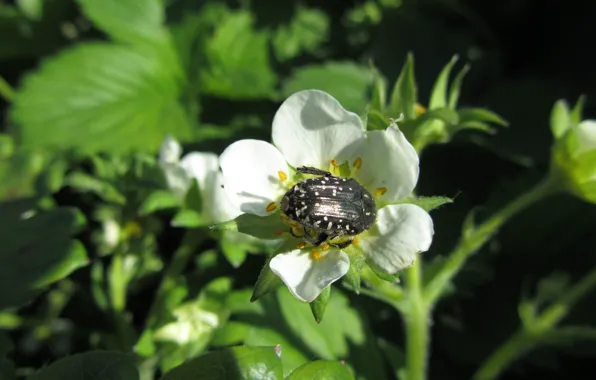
101	365
324	370
307	30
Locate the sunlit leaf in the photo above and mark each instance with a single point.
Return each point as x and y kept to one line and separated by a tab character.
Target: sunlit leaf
321	370
319	305
94	365
85	183
158	200
307	30
348	82
254	363
101	97
132	21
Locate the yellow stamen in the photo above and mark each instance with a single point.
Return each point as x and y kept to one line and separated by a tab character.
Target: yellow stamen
271	207
380	191
297	230
357	163
280	232
334	163
282	176
301	245
419	109
355	241
325	247
316	255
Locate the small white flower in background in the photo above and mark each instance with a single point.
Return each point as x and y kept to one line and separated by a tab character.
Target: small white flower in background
312	129
574	157
204	167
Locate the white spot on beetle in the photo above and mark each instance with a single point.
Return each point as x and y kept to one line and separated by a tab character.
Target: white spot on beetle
329	225
368	213
316	193
341	188
325	218
347	226
350	188
317	204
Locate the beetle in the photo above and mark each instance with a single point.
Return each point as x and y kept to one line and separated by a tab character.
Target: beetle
329	206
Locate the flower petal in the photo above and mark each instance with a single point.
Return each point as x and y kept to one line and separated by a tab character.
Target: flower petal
400	233
170	151
311	128
305	277
389	161
250	169
217	205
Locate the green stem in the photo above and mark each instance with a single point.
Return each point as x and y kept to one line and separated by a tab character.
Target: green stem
6	91
480	235
528	337
179	262
416	324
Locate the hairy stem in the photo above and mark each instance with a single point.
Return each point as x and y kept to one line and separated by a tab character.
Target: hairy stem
416	324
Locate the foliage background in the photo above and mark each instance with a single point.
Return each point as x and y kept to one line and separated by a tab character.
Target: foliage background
525	54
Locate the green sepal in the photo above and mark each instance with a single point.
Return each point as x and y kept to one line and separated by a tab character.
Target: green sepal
455	88
403	97
426	203
263	227
267	282
560	118
576	112
357	263
438	97
480	114
375	120
379	91
319	305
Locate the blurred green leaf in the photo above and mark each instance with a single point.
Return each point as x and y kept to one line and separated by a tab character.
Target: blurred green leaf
263	227
33	9
86	183
560	119
348	82
321	370
237	60
235	247
158	200
438	97
446	115
395	357
378	100
328	339
267	282
319	305
357	262
130	21
230	334
187	219
403	98
577	111
307	30
101	97
18	174
254	363
376	121
94	365
37	249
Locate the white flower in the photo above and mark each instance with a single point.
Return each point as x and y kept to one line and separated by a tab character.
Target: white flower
574	156
204	167
312	129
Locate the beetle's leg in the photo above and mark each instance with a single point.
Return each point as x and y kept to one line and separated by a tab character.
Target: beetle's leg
311	170
316	241
293	234
343	244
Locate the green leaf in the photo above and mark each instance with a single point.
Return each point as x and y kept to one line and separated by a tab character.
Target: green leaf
306	32
187	219
158	200
235	246
319	305
378	101
256	363
427	203
560	118
476	125
101	97
130	21
480	114
94	365
446	115
328	339
18	174
33	9
438	97
232	333
237	57
321	370
403	97
86	183
455	88
348	82
36	249
263	227
267	282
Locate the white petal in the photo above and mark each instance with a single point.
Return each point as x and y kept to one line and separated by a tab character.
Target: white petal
250	169
306	278
399	234
311	128
389	161
177	179
217	205
170	151
586	136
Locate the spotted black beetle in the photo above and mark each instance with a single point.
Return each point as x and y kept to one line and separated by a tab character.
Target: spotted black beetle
329	206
